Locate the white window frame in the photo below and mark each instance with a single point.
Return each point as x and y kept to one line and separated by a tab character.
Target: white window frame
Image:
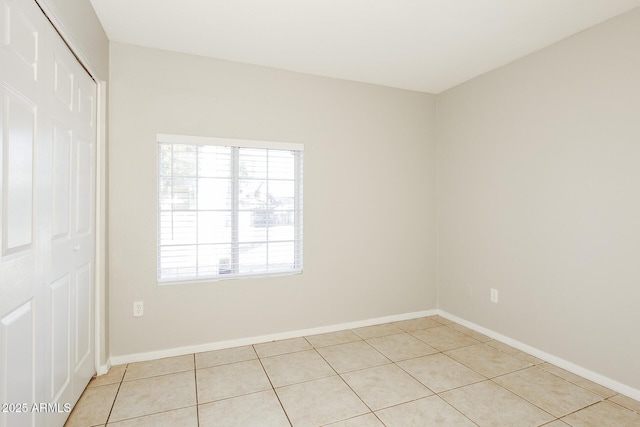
236	144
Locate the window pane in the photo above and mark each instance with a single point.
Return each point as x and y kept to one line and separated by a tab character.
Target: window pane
281	193
165	159
283	227
281	164
177	228
214	259
165	193
178	262
253	258
252	193
214	161
184	160
214	193
227	210
266	223
214	227
252	226
253	163
281	256
183	193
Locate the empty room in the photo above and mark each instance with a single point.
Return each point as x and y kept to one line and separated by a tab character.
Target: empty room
320	213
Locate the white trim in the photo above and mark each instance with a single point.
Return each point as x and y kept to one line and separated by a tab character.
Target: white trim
104	369
220	278
100	256
179	351
64	33
571	367
564	364
228	142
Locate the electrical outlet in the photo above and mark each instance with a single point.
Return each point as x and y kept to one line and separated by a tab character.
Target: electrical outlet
470	291
494	295
138	308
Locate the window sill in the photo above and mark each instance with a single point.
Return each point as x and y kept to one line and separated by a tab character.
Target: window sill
224	278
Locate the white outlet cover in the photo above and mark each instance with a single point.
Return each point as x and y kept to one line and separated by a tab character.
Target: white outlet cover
138	308
494	295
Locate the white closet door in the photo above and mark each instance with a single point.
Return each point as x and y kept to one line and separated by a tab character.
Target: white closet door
71	274
47	212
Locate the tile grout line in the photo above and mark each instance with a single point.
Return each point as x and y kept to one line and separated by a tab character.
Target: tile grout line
435	393
195	378
523	398
371	411
425	385
345	382
117	393
575	383
456	409
617	404
581	409
602	398
122	381
484	376
272	387
491	379
396	364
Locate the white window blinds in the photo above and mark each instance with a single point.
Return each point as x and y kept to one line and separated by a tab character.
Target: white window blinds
228	208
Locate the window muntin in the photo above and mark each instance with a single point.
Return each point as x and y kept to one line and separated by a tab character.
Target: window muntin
228	208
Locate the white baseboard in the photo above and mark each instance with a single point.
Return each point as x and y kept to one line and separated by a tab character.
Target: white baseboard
179	351
103	369
564	364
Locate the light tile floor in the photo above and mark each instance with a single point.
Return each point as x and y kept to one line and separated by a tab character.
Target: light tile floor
419	372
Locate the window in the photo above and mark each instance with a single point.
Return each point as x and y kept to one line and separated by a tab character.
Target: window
228	208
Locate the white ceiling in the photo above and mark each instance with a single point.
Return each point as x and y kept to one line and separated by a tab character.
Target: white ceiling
423	45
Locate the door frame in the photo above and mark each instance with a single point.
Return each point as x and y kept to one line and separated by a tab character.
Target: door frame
102	362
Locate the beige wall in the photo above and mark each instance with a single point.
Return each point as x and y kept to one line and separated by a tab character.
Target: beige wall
539	197
369	194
